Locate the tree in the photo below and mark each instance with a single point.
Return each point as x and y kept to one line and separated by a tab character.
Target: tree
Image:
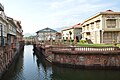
70	35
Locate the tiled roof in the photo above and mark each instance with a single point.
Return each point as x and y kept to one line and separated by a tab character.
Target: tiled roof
109	10
74	26
45	30
102	13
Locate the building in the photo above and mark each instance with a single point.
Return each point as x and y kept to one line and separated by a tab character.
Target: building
103	27
1	7
19	33
11	34
10	40
47	34
10	30
29	40
73	32
3	28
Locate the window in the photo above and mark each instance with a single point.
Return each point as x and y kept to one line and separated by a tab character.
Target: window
111	23
63	38
83	28
97	24
87	26
92	25
66	38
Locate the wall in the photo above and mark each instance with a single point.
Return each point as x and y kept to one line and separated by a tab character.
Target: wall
7	56
88	60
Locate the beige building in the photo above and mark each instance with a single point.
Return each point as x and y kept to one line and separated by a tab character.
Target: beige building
104	27
75	32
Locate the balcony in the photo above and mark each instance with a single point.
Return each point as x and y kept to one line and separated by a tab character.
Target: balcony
1	7
111	29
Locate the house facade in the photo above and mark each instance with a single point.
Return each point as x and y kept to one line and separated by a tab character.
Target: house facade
46	34
19	33
104	27
3	28
11	34
73	32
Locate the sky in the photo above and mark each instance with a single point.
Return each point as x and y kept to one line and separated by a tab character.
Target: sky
38	14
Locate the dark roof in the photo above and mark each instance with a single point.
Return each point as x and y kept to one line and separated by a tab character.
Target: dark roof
1	7
46	30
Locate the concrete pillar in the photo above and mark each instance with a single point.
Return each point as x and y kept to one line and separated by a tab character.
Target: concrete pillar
118	37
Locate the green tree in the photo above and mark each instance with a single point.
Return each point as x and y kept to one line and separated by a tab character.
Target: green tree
70	35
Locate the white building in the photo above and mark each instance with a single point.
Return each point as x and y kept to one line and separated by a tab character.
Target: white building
73	32
46	34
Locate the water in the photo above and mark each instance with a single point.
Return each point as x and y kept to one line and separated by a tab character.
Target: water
29	67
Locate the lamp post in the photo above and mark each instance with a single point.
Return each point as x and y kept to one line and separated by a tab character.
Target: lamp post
2	38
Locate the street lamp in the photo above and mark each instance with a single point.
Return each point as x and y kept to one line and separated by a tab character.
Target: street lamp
2	38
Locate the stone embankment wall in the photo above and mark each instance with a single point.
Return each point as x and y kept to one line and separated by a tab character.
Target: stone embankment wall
82	57
88	60
7	55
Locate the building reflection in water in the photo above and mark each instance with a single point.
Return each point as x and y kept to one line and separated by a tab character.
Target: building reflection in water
16	70
44	68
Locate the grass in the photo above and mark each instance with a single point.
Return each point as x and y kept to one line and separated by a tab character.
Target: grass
91	45
118	45
95	45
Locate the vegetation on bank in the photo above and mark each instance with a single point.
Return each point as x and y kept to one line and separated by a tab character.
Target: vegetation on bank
95	45
83	43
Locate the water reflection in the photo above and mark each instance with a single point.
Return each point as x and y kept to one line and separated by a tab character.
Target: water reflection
44	69
16	70
77	74
29	67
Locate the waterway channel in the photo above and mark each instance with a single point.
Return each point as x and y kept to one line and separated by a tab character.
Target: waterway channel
29	67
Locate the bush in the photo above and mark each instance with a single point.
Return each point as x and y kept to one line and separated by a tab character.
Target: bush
83	41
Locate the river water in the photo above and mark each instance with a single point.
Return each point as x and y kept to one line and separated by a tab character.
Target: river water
29	67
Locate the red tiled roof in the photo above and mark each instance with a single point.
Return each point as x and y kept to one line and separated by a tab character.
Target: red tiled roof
74	26
109	10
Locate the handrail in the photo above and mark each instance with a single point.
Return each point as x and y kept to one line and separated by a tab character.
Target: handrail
81	48
86	48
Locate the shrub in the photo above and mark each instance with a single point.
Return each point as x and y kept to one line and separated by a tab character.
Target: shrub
83	41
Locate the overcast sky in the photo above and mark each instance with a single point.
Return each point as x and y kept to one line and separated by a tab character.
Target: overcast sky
38	14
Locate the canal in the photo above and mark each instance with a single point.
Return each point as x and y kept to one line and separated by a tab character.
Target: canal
29	67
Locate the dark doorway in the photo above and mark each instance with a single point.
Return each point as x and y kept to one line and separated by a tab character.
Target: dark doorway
77	38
